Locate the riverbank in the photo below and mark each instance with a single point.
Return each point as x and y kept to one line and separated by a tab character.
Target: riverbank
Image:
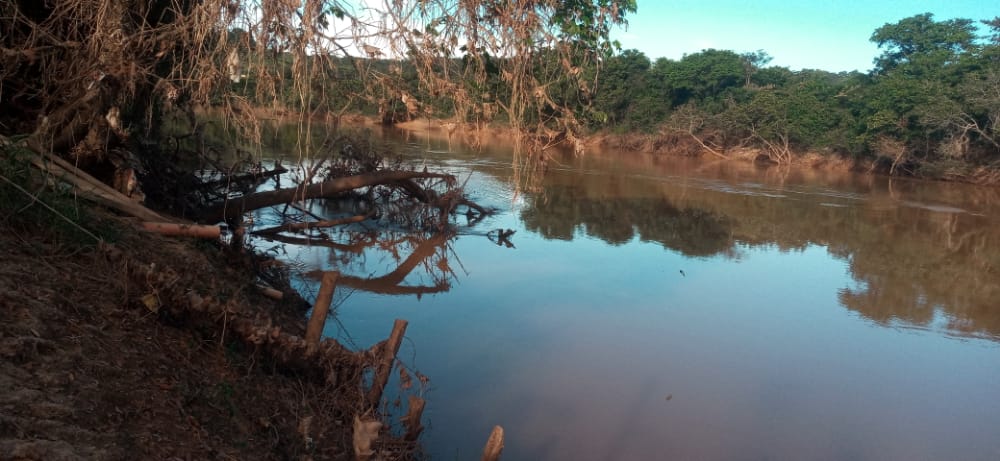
677	145
141	347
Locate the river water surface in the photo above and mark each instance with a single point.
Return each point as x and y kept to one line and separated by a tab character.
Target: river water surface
662	308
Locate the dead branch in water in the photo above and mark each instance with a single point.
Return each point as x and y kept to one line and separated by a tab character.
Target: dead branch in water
245	177
388	350
297	226
494	445
356	248
233	208
411	420
182	230
317	320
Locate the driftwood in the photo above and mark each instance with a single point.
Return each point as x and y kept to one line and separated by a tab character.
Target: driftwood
411	421
237	206
182	230
295	226
383	368
317	320
90	188
329	363
494	445
270	292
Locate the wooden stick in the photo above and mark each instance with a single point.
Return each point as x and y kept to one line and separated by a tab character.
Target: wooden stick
314	330
412	418
90	188
270	292
494	445
182	230
384	365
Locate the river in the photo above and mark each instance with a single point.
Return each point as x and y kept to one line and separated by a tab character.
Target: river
667	308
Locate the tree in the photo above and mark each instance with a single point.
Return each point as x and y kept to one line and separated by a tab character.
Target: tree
915	100
753	61
628	95
702	76
921	45
75	84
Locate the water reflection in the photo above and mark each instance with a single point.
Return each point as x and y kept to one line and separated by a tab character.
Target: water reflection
414	264
916	260
560	211
921	254
429	253
788	335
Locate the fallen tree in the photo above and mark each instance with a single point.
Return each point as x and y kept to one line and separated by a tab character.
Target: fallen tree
235	207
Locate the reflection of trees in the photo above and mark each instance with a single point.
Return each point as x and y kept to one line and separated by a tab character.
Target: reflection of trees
560	210
924	267
429	253
914	266
949	276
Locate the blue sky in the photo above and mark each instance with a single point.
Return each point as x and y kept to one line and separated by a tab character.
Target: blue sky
828	35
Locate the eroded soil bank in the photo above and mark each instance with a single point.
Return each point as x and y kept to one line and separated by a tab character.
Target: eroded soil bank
100	360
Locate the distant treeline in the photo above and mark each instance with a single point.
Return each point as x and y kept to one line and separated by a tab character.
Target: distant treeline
932	100
930	106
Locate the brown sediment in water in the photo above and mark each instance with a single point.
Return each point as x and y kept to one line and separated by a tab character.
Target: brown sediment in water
159	348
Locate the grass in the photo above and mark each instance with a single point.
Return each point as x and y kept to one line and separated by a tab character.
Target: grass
30	203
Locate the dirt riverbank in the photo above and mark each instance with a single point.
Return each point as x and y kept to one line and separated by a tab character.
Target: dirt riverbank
98	360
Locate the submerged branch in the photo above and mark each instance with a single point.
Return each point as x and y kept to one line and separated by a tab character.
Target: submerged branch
296	226
235	207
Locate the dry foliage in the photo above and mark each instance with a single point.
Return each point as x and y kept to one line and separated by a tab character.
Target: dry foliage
85	77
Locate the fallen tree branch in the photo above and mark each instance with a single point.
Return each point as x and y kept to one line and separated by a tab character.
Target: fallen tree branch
295	226
356	248
254	176
254	328
90	188
314	330
494	445
182	230
384	366
237	206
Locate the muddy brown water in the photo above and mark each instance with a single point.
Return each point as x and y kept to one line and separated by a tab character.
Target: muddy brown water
665	308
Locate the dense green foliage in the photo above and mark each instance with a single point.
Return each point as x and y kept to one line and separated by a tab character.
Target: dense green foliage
930	106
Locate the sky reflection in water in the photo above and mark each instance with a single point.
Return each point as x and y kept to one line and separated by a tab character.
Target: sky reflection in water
792	316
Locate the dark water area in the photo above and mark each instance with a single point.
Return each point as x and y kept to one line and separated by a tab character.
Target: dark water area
666	308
